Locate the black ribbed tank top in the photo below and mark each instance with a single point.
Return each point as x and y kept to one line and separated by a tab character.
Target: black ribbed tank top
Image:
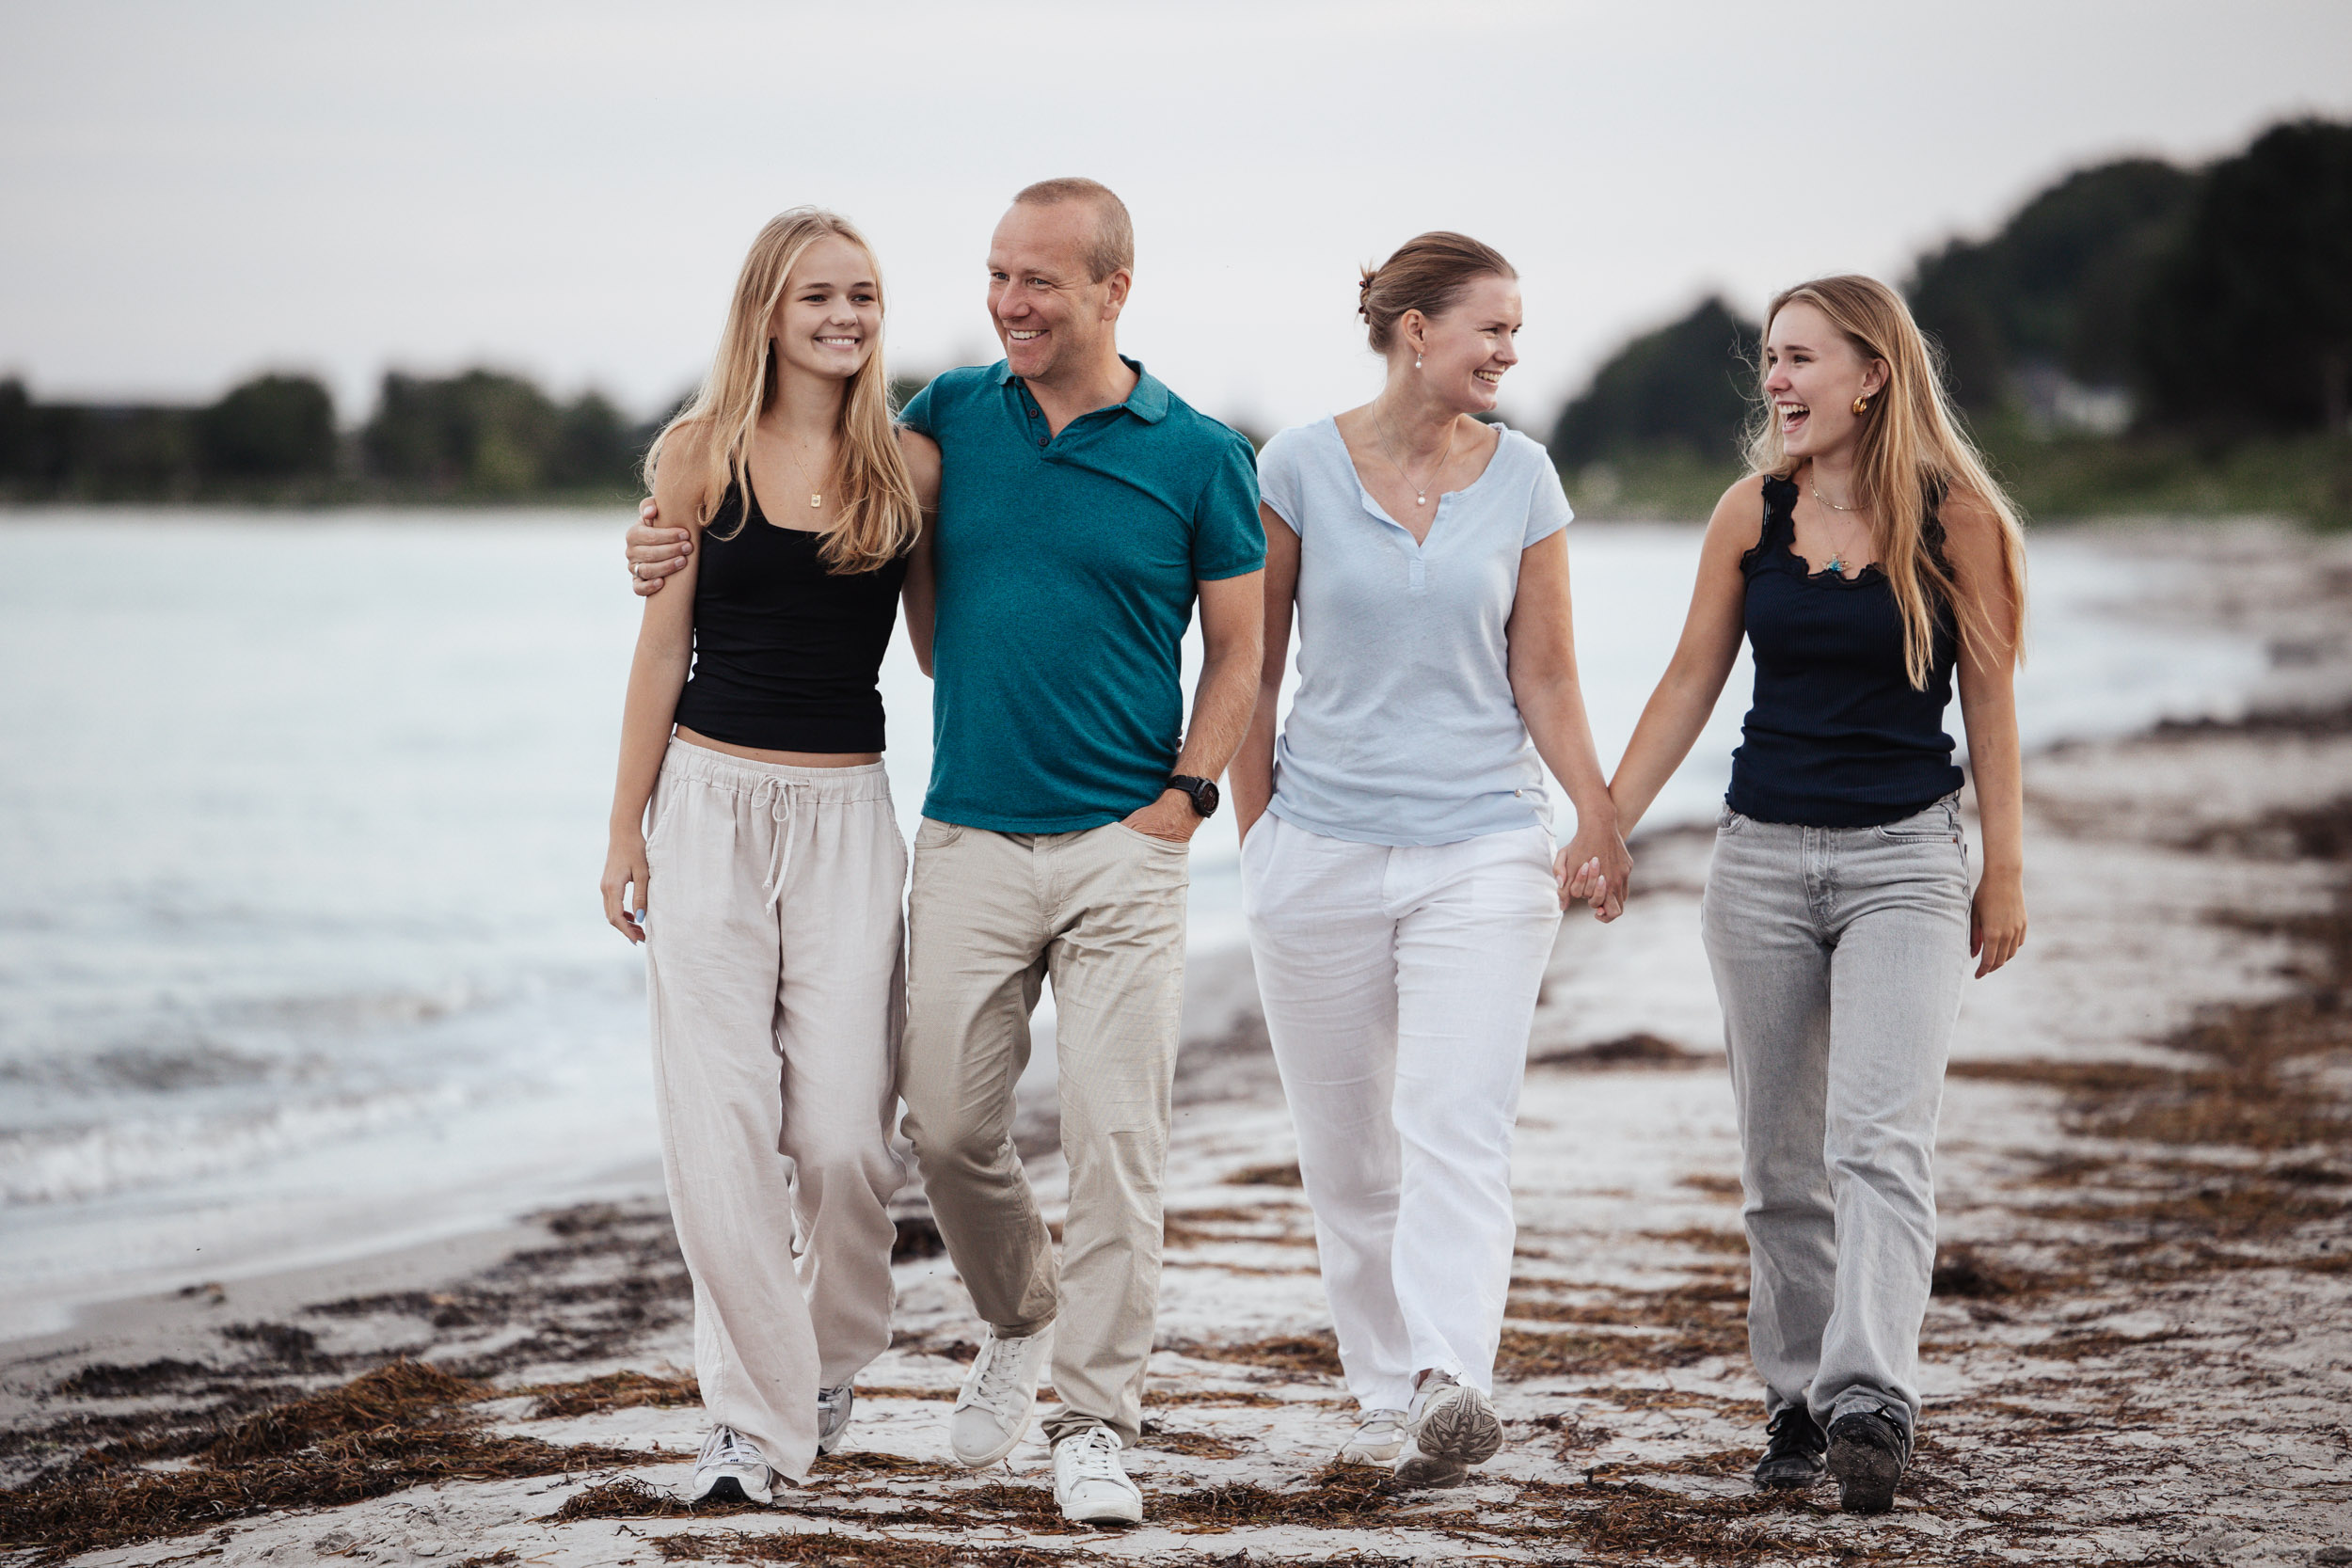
786	653
1836	737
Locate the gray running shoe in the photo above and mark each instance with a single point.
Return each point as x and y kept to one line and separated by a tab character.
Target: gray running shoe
1452	1421
833	1416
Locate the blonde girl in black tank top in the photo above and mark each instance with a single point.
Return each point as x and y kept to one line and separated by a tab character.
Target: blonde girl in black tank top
1869	560
768	889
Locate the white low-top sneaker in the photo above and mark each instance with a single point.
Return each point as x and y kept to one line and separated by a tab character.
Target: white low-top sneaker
1089	1484
730	1470
1378	1439
1450	1421
833	1416
992	1415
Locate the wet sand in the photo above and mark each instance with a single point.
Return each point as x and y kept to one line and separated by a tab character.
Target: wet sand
2139	1349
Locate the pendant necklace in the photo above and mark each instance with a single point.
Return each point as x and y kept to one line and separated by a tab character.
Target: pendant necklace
816	496
1837	559
1421	492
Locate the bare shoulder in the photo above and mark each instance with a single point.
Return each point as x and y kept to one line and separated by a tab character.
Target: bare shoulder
1738	520
680	474
1970	523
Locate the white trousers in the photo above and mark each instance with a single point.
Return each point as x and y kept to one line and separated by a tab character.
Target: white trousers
1399	984
773	964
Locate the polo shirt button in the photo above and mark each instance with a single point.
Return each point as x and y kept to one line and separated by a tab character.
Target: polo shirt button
1044	440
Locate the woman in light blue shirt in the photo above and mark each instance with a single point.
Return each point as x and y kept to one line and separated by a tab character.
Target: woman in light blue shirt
1398	869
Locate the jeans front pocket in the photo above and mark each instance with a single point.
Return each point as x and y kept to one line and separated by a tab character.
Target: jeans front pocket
1938	822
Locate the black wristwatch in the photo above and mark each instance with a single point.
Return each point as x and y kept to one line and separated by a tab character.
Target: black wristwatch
1203	792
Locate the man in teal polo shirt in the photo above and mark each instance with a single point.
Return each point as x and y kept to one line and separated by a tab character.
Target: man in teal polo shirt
1083	509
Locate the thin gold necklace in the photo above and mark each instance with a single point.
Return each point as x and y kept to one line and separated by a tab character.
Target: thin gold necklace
1421	492
815	495
1837	558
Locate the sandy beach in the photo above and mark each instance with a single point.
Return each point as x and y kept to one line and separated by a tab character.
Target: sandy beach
2139	1347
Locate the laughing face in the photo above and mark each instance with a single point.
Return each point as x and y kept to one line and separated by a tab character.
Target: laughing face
830	317
1465	350
1051	313
1813	372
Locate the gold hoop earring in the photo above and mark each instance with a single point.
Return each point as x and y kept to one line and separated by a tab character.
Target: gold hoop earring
1862	405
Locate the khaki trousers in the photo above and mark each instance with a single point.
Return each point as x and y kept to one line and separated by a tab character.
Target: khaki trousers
991	917
773	964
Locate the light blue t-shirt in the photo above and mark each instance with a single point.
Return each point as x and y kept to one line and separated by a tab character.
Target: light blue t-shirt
1404	729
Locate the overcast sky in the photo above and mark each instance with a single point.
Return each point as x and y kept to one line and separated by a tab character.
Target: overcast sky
196	192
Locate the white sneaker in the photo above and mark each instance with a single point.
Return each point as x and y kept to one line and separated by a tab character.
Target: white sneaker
1088	1480
1378	1439
1450	1422
833	1416
730	1470
992	1415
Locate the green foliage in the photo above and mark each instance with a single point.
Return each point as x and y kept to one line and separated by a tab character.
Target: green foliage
491	435
2222	298
2059	285
1685	388
1653	483
2247	324
476	437
2154	474
87	452
272	427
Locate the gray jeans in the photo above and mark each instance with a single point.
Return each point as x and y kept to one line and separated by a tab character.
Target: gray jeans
1839	954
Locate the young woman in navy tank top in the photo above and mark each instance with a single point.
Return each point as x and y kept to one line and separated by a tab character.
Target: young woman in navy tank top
767	890
1871	561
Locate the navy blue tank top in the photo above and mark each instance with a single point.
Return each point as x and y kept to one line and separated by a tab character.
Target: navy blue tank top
1838	738
786	652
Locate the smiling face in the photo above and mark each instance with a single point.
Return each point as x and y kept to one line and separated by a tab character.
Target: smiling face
830	318
1052	315
1813	372
1466	348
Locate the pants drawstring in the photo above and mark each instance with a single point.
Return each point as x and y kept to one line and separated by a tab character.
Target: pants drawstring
779	796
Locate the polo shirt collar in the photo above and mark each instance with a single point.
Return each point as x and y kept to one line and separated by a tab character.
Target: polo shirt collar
1147	402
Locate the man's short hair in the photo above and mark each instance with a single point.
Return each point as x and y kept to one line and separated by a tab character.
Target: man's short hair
1113	245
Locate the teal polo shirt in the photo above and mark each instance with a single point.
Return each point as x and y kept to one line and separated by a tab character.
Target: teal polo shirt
1067	567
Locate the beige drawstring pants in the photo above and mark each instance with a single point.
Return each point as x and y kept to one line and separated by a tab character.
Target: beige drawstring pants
773	962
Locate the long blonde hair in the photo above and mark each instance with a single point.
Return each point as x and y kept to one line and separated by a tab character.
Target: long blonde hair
880	517
1912	456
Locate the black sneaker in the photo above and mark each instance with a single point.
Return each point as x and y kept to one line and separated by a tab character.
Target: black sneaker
1792	1458
1867	1451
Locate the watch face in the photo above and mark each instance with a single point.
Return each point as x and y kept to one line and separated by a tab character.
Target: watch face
1204	800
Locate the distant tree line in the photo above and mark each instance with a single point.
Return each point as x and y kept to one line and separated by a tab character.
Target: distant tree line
479	436
2136	303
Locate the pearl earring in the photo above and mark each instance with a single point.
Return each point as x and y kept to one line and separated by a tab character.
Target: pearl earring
1416	361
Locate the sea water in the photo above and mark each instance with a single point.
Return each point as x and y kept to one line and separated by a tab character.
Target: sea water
301	822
